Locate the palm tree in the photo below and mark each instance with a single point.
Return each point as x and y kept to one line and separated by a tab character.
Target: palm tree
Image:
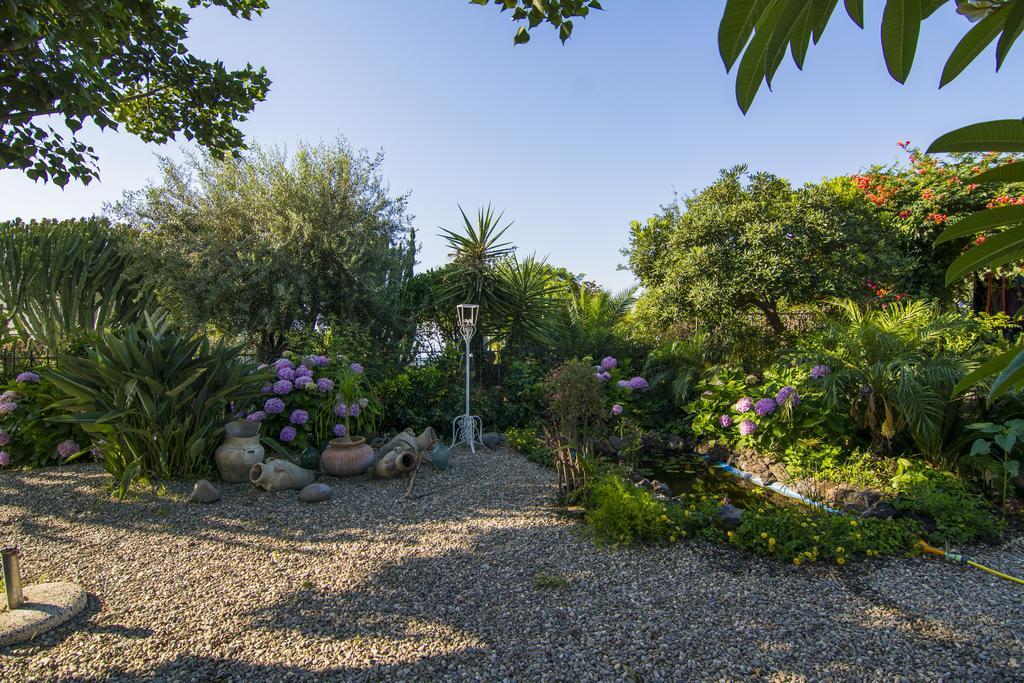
895	368
474	253
676	368
525	303
591	315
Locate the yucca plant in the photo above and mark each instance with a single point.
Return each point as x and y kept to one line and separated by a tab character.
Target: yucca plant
894	368
156	401
65	279
524	307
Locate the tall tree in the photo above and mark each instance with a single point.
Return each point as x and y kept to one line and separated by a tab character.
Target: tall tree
256	246
749	242
114	63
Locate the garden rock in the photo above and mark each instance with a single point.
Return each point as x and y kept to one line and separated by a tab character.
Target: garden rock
204	492
615	442
493	440
880	510
729	517
315	493
717	453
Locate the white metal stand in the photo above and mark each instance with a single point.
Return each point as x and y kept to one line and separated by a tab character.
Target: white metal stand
467	428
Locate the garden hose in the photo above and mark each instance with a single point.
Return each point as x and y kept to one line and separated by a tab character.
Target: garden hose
786	491
960	559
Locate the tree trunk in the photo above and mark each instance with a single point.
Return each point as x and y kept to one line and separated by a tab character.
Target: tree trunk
772	317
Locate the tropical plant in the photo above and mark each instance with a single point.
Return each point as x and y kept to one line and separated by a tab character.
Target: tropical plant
155	401
675	368
558	13
998	464
592	316
113	63
525	310
260	245
894	368
61	281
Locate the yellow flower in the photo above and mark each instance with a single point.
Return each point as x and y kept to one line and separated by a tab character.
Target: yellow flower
853	522
840	560
796	561
771	541
729	534
840	550
672	539
664	518
764	534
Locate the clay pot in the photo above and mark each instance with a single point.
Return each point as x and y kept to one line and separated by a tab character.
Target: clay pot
394	464
346	457
279	475
426	441
239	452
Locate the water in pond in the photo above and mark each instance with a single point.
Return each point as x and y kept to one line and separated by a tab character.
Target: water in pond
691	475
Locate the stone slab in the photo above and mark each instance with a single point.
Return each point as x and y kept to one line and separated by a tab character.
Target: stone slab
46	606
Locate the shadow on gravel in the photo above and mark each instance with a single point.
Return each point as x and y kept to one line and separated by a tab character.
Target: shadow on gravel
50	502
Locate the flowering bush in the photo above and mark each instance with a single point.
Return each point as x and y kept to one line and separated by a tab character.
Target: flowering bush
789	407
26	435
312	401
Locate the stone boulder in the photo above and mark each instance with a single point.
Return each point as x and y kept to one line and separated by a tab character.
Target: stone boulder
493	440
315	493
204	492
728	517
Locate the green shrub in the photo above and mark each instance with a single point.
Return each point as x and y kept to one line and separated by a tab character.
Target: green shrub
619	512
156	400
26	434
521	395
960	515
825	462
576	401
422	395
64	280
528	442
800	534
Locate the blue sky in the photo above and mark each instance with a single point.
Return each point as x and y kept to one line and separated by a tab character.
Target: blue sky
572	142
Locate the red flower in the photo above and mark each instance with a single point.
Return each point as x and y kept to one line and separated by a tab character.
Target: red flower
904	214
980	239
937	217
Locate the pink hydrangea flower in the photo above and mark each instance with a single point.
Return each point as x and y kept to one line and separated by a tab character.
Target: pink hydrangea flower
5	438
288	434
27	378
748	427
617	409
274	406
5	459
339	431
725	421
324	384
8	408
282	387
744	405
356	368
299	417
609	363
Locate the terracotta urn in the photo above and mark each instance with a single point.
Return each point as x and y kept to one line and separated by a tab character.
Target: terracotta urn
280	475
346	457
239	452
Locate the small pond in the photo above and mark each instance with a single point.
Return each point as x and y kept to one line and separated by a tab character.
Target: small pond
690	475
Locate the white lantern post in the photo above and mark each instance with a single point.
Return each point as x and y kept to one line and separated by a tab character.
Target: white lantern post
467	428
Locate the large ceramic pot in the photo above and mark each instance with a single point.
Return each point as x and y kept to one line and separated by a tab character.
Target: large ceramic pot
239	452
346	457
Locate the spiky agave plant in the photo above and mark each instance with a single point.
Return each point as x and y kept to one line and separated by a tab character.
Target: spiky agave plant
155	399
895	368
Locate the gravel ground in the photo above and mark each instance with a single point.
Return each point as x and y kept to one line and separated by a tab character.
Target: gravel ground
373	586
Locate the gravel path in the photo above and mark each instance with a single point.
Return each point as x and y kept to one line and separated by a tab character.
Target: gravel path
372	586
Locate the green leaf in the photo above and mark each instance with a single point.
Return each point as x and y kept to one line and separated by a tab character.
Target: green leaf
751	71
855	8
821	15
980	447
1006	442
987	369
986	219
901	25
1011	30
1009	379
1003	135
1012	467
971	45
735	28
1004	248
1010	172
522	36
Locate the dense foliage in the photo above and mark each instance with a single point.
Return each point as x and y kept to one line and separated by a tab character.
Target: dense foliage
155	401
61	281
113	64
27	436
255	246
751	243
